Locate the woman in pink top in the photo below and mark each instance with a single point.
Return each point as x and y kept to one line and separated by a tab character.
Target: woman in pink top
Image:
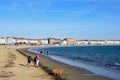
37	60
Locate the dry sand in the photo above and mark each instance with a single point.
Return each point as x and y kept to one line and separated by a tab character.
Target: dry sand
12	66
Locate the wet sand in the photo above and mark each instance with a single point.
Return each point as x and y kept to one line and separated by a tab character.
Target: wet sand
70	72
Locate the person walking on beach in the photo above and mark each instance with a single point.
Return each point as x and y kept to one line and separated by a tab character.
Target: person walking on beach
37	60
29	60
41	52
47	53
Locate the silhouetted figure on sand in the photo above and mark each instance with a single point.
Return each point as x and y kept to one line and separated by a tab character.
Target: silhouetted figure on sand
29	60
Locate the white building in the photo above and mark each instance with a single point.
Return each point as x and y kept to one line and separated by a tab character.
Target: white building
113	42
82	42
26	41
21	41
97	42
63	42
10	41
33	41
7	41
2	41
43	41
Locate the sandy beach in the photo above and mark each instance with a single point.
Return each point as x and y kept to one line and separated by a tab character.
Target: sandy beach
12	66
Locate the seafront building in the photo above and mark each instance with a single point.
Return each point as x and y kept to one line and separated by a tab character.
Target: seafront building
55	42
63	42
97	42
113	42
71	41
82	42
26	41
7	40
43	41
17	41
2	41
21	41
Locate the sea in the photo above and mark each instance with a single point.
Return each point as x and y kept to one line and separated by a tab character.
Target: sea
101	60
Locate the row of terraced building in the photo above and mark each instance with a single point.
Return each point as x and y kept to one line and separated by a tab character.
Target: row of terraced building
54	41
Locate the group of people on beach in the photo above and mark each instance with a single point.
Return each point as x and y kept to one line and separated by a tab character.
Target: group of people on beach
45	54
36	60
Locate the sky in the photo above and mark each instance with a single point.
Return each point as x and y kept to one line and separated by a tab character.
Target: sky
79	19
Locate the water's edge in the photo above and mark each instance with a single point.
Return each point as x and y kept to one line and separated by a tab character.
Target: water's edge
95	69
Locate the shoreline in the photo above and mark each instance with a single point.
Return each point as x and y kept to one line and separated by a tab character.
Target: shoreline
106	65
70	72
98	70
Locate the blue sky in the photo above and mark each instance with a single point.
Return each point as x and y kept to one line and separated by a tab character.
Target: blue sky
79	19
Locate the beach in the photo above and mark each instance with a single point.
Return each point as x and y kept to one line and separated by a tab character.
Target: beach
12	67
70	72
